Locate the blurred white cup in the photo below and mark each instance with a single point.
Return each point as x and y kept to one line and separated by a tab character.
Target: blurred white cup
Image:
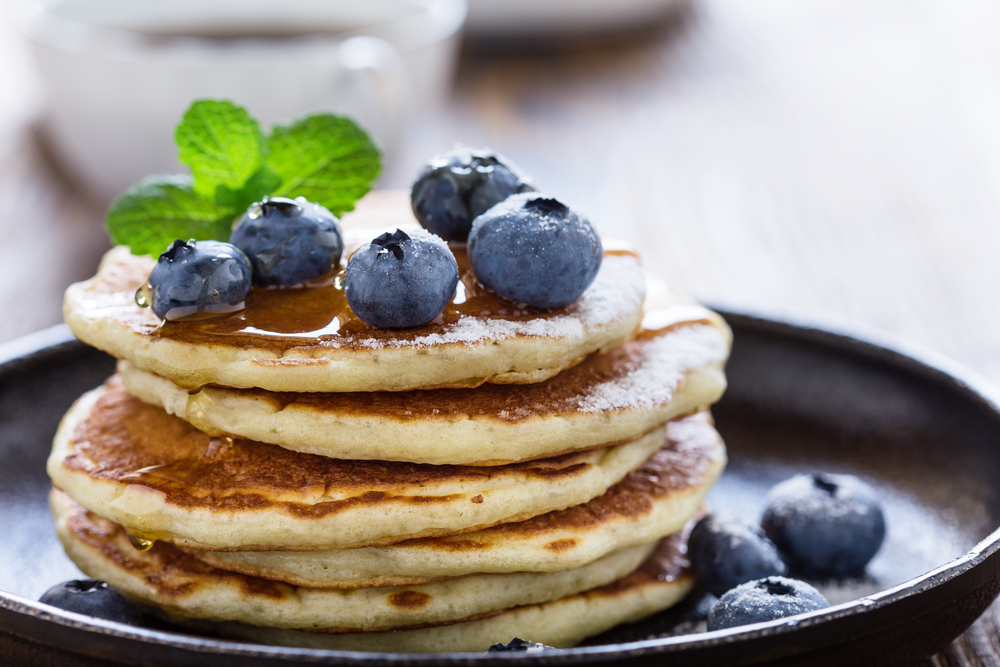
119	74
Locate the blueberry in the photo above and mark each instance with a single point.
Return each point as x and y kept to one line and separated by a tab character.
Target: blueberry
518	645
764	600
92	598
197	277
534	249
289	241
726	552
825	526
399	281
456	186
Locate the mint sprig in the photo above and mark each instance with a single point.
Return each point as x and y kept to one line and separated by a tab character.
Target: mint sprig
221	143
302	157
323	157
164	207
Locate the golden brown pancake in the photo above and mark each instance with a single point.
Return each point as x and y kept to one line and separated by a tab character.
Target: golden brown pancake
663	581
167	577
163	479
186	588
672	368
655	500
309	340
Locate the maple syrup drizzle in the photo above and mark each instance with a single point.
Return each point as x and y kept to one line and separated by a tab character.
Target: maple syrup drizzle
141	543
281	318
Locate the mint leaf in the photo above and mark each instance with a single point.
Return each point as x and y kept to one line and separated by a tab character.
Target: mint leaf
158	210
221	143
325	158
264	181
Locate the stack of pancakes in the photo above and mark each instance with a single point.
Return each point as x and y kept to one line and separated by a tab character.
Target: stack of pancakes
291	475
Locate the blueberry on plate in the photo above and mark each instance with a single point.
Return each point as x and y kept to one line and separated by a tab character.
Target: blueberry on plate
726	552
92	598
534	249
197	277
399	281
456	186
825	525
518	645
289	241
764	600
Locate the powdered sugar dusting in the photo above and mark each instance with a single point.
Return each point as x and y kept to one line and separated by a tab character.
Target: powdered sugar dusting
478	329
617	291
669	358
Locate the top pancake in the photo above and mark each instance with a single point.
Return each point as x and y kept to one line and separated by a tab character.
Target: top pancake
308	340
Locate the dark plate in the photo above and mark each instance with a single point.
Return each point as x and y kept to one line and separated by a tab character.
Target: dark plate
800	400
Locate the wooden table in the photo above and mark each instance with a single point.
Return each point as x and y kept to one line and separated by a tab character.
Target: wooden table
834	159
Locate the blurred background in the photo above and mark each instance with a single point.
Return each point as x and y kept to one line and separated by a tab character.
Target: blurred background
833	160
823	158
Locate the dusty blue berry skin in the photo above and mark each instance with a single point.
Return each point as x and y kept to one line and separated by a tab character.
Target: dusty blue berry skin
92	598
200	277
534	249
764	600
399	281
726	552
456	186
825	526
289	241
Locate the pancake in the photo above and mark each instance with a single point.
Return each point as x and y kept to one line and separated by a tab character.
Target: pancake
306	340
672	368
654	501
662	581
164	480
184	587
